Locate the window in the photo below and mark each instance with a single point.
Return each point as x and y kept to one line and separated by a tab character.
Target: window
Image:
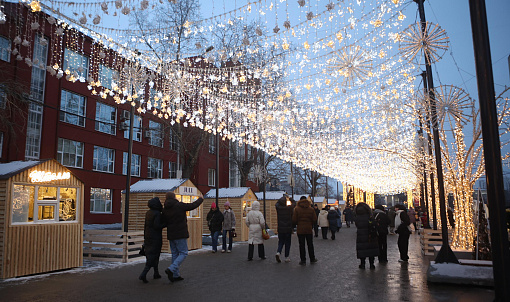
5	49
155	168
106	76
76	64
106	116
135	164
3	97
212	144
39	59
104	159
100	200
155	133
174	141
173	169
70	153
211	178
43	204
1	143
72	108
34	125
137	128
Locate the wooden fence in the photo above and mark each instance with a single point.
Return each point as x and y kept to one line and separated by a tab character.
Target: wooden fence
430	238
106	245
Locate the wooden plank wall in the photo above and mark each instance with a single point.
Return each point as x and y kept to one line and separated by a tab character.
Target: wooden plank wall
33	249
138	207
3	221
236	205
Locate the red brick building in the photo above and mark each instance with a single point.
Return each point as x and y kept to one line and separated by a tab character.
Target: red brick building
63	119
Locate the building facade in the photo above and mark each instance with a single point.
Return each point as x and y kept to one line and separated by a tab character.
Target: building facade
46	116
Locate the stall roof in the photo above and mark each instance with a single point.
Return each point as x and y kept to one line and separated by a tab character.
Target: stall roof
15	167
227	192
156	185
270	195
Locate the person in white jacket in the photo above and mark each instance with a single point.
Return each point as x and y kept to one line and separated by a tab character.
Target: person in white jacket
256	223
323	222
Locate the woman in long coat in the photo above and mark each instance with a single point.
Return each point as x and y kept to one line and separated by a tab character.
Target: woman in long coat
333	217
153	238
366	241
256	223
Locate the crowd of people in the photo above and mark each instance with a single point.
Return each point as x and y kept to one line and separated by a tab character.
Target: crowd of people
373	227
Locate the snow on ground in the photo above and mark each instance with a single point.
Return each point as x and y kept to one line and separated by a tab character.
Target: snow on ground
460	274
112	226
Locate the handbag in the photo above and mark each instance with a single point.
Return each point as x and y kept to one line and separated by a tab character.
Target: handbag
265	234
142	250
234	234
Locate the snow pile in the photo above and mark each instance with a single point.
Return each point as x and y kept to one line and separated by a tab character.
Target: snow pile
227	192
460	274
112	226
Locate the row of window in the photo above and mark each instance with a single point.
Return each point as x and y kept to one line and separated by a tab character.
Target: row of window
70	154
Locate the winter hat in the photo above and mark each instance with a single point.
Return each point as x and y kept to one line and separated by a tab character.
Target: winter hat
227	204
213	206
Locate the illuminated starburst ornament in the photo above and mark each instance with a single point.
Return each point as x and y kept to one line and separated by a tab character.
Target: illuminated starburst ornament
431	43
178	85
452	102
352	63
132	80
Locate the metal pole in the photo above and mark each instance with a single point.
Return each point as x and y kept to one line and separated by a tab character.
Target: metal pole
291	180
128	176
217	172
445	254
491	150
429	142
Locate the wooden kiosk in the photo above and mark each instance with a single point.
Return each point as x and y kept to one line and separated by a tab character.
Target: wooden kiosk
271	215
41	218
185	191
240	201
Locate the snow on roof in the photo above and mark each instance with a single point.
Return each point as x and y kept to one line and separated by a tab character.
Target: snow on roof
15	167
270	195
156	185
227	192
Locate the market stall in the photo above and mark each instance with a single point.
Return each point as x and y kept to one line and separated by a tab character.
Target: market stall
271	199
240	201
41	218
185	191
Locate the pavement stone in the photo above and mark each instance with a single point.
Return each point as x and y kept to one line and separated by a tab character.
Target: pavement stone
229	277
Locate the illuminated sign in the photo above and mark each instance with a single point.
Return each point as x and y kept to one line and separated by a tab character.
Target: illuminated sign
42	176
188	191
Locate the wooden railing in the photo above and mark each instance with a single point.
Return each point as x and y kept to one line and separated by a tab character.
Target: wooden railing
430	238
106	245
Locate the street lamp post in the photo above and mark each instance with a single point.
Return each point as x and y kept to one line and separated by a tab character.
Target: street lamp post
491	150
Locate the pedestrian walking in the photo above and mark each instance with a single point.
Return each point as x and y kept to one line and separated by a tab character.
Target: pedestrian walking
382	221
152	238
284	209
177	232
366	240
349	216
412	217
304	216
333	217
256	223
391	216
215	222
339	220
229	227
315	224
402	229
323	222
450	217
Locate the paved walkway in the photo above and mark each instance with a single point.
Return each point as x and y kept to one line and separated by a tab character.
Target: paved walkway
229	277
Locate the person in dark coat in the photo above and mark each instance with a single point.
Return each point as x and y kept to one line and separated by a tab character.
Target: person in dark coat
383	221
333	217
366	242
304	217
391	216
153	238
402	223
284	208
177	232
316	225
349	216
215	222
450	217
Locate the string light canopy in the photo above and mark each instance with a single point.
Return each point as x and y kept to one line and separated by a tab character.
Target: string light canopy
335	96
